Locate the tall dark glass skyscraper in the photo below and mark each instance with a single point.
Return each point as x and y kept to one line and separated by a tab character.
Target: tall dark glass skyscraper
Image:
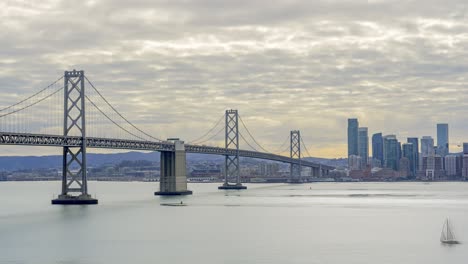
353	126
415	142
391	152
442	140
410	154
363	145
377	148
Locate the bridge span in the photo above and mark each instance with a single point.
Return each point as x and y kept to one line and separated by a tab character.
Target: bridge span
173	180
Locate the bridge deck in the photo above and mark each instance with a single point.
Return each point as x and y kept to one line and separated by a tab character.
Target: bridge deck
91	142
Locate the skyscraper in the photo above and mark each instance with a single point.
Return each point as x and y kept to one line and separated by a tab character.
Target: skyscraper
377	147
391	152
414	141
451	165
363	145
465	166
465	161
427	146
409	153
433	167
442	139
354	162
353	126
465	148
399	154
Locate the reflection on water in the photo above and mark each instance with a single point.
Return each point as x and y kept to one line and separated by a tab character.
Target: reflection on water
267	223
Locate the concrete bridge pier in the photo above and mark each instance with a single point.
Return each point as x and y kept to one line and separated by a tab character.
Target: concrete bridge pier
173	179
315	172
295	174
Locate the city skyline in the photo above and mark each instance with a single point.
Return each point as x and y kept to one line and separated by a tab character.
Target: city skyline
392	158
416	140
398	68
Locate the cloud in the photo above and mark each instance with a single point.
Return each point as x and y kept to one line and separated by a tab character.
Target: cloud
173	67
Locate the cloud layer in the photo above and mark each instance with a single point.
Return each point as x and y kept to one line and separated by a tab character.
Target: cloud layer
173	67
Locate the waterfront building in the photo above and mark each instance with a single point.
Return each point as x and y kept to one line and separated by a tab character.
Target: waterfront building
376	163
391	152
353	126
465	167
363	146
450	165
433	167
442	139
268	169
427	146
465	148
385	174
354	162
404	167
459	165
415	142
377	147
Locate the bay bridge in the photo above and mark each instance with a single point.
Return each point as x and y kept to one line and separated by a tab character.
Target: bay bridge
74	118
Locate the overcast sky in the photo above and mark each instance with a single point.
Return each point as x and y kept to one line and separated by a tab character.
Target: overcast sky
174	67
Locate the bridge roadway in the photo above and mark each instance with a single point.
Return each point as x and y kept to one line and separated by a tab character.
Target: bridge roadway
91	142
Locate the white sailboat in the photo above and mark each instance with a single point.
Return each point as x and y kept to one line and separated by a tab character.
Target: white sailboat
447	236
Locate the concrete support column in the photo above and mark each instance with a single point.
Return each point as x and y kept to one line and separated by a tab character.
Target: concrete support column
314	172
173	179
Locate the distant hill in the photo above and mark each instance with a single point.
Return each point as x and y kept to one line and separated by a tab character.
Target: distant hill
12	163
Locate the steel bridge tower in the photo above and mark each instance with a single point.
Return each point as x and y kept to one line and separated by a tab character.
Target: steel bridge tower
231	163
74	182
295	153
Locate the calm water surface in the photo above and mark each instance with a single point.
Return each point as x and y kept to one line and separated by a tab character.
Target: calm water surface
267	223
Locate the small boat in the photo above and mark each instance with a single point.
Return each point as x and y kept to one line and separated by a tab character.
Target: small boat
174	204
447	236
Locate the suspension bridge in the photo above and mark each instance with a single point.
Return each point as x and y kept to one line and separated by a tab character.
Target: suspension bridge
64	114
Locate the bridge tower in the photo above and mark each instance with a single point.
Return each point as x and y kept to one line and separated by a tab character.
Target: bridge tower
295	153
231	163
74	182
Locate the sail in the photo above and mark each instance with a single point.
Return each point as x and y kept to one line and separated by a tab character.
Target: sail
450	235
443	235
447	235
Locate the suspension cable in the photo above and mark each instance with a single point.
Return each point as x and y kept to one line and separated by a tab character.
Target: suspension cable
32	104
248	132
286	149
110	119
305	147
209	131
118	113
281	147
210	138
247	142
22	101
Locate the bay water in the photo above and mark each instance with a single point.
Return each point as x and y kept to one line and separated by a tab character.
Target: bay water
267	223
